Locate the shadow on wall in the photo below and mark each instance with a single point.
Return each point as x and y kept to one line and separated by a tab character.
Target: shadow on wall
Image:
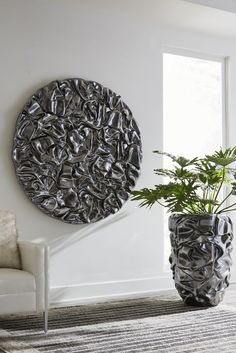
66	240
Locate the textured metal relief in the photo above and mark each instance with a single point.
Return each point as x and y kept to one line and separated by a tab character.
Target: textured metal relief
200	257
77	150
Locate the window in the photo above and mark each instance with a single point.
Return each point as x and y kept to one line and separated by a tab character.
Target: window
193	103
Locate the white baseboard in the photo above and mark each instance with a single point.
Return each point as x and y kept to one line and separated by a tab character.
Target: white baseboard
114	290
106	291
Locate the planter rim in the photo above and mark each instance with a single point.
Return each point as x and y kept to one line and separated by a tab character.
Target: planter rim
200	215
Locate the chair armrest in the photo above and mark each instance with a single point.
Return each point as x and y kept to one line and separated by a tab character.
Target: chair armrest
34	258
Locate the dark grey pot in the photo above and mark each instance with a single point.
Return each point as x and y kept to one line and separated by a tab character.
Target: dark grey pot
200	256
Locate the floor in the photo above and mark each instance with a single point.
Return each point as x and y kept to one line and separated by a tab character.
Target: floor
160	324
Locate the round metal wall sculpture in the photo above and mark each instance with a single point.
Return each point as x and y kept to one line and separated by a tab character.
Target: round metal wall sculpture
77	150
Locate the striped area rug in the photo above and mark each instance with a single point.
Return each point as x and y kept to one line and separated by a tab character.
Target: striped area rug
162	324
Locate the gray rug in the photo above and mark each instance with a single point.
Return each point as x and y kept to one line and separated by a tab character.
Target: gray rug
162	324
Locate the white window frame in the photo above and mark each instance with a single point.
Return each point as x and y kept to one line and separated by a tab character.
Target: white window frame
224	60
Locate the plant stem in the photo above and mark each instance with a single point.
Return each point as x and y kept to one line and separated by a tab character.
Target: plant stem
210	196
233	209
223	201
226	208
221	183
161	204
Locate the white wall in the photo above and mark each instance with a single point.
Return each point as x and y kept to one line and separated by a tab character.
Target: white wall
119	44
226	5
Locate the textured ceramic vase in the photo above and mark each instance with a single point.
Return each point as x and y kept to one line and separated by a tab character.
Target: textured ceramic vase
200	256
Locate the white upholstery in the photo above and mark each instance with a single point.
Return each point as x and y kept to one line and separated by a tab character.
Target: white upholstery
34	258
17	303
16	281
26	289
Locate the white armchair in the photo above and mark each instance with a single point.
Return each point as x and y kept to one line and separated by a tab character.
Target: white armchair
26	290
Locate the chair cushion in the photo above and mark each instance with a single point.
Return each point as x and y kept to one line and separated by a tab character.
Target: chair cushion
9	251
16	281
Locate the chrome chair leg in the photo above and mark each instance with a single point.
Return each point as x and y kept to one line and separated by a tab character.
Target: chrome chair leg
45	317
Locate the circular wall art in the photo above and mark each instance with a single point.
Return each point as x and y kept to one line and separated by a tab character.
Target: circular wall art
77	150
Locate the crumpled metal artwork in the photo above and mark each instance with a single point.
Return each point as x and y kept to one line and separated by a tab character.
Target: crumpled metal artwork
77	150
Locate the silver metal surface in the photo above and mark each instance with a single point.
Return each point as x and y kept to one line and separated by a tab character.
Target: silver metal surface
77	150
45	319
200	256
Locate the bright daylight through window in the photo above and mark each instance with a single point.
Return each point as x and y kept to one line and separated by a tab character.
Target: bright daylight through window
192	110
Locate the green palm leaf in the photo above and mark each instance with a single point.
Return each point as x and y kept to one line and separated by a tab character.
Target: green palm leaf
195	184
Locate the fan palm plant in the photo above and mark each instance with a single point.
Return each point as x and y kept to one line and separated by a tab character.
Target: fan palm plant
201	237
194	185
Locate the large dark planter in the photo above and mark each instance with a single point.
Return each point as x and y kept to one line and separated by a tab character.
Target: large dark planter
200	256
